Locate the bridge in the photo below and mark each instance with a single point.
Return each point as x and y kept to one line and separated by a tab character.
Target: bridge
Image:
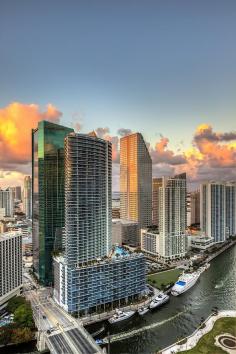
57	330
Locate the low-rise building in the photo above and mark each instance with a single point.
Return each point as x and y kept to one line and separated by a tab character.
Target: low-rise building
125	232
107	283
10	266
201	242
150	242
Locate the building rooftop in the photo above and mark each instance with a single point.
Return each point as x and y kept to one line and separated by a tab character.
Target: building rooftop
7	235
124	222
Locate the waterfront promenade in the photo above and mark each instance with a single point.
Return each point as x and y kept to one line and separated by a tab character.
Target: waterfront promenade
192	340
86	320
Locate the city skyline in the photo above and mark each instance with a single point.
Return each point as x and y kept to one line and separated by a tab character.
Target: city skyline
158	68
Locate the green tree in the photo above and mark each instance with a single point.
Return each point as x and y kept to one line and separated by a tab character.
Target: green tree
15	302
23	316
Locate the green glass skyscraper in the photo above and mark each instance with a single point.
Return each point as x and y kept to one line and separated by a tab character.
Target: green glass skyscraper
48	195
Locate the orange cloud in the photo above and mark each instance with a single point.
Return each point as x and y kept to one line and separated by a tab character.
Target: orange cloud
161	154
16	122
216	149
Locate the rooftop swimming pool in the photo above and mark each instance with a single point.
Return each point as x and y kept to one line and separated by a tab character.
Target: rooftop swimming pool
120	251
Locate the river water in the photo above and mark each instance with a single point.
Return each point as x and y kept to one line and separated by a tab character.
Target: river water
181	316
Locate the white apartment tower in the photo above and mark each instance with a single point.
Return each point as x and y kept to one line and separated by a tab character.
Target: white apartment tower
212	210
10	266
7	201
172	217
27	204
230	198
217	210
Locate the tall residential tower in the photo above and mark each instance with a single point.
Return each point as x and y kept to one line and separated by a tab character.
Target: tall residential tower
135	180
173	217
48	194
156	184
88	274
218	209
27	201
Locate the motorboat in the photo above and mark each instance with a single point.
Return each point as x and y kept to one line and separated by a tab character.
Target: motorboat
143	310
120	316
159	300
184	283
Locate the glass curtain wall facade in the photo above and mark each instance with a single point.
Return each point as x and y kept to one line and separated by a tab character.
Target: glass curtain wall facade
156	184
87	276
213	210
230	190
27	202
47	194
135	180
87	198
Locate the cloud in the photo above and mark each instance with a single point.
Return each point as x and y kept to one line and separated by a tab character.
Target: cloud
16	121
123	132
11	179
205	132
212	155
104	133
77	126
216	149
161	154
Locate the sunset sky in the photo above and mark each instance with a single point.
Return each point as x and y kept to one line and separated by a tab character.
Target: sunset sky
165	68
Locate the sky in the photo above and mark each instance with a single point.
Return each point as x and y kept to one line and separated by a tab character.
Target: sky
165	68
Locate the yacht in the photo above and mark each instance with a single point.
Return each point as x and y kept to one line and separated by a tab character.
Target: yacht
143	310
159	300
120	316
207	265
185	282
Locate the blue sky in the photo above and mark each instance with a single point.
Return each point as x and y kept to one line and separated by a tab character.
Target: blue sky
123	63
158	67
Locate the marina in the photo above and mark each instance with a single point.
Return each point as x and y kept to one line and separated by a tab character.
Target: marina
182	315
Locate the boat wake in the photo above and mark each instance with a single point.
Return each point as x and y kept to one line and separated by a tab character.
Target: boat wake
125	335
219	285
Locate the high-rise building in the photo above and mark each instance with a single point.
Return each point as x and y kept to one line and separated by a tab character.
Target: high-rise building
88	275
212	210
135	180
230	209
17	193
11	263
48	194
172	217
195	207
156	184
87	198
27	203
218	209
7	201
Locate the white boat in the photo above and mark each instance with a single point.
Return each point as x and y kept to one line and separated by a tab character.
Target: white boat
185	282
159	300
120	316
142	310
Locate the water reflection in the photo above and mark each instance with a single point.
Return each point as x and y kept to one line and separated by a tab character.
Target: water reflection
182	314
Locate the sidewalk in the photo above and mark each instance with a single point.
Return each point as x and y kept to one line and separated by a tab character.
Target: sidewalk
193	339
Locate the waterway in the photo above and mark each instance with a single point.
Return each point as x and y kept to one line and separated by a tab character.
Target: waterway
181	316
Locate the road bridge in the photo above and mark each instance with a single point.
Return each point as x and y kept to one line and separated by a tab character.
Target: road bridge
57	330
